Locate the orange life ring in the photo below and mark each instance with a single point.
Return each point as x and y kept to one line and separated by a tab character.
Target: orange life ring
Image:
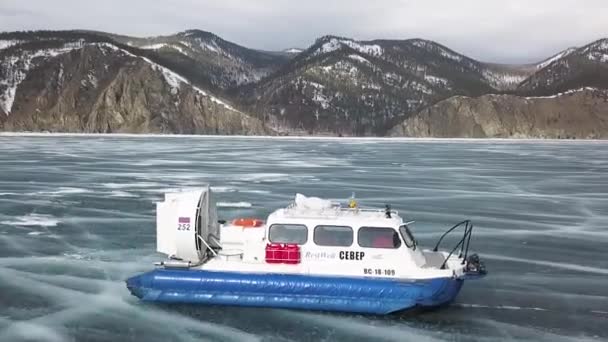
248	222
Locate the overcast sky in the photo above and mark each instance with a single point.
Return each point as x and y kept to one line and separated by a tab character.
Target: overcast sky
506	31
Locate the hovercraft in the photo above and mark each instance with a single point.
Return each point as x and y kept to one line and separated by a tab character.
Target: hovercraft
314	254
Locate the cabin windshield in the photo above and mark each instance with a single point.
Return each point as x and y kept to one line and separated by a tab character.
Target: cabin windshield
407	236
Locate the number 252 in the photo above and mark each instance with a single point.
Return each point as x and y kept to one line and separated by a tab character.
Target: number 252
183	226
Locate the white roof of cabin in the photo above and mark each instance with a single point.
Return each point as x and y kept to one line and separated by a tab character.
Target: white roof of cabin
336	216
315	211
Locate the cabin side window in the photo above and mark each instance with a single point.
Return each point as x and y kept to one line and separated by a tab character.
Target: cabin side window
288	233
407	236
378	237
339	236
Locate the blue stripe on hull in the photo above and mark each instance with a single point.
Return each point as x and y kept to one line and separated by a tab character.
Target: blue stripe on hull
361	295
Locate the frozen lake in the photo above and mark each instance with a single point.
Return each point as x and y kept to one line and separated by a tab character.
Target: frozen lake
77	219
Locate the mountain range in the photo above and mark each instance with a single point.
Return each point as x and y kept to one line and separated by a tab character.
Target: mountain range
195	82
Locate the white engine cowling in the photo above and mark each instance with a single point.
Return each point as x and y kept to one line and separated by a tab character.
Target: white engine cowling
182	221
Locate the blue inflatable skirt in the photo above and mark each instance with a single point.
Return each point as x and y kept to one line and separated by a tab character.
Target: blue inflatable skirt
359	295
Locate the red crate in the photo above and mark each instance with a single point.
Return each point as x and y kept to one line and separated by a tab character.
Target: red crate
274	253
292	254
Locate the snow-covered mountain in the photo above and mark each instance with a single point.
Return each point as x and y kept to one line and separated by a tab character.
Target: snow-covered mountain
574	68
293	51
555	57
64	81
209	58
197	82
349	87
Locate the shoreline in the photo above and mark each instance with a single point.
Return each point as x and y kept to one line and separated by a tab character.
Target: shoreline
303	137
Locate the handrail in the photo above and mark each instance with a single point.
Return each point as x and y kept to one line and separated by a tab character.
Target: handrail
466	222
463	243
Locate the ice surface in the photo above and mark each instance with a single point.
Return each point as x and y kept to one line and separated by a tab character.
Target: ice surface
529	200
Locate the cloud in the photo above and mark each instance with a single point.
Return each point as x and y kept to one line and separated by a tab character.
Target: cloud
498	31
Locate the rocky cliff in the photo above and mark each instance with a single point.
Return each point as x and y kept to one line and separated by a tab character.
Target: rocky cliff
100	87
576	114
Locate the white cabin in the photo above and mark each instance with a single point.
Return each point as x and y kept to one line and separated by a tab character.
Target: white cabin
323	238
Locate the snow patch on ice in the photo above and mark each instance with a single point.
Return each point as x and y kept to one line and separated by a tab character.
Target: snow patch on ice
222	189
120	193
263	177
131	185
40	220
233	205
63	191
500	307
259	192
75	256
